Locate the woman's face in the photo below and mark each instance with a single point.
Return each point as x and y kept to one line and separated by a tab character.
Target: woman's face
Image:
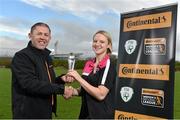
100	44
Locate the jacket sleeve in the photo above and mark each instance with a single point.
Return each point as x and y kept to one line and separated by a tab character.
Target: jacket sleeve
24	76
58	79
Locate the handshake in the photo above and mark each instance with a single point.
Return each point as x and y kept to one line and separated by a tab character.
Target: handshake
69	91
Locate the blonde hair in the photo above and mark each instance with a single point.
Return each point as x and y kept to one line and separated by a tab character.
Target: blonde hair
108	36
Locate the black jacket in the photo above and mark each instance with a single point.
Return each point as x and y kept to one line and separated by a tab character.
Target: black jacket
31	88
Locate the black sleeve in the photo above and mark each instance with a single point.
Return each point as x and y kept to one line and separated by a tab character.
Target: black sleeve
58	80
24	76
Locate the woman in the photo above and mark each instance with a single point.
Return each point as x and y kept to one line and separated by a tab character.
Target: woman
97	80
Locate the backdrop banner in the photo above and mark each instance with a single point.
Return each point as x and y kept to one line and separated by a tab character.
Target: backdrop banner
146	58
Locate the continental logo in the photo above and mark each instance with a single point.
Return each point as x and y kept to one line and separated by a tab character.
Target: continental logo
153	21
152	97
121	115
144	71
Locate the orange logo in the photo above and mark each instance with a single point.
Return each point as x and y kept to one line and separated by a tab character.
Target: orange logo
160	20
121	115
144	71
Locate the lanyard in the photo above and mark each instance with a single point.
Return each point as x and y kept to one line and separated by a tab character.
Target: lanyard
49	75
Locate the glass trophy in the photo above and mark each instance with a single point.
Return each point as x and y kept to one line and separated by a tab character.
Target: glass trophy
71	61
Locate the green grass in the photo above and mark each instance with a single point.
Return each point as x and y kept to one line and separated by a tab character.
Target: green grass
177	96
5	93
66	109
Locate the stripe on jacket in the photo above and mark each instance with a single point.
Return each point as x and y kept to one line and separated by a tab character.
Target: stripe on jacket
105	72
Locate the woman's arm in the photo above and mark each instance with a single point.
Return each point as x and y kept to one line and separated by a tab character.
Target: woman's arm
99	92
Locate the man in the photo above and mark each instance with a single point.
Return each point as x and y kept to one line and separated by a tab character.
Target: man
34	85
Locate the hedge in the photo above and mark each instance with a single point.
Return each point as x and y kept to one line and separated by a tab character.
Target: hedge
6	62
79	64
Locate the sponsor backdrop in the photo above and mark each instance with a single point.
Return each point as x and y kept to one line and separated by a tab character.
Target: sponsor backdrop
145	82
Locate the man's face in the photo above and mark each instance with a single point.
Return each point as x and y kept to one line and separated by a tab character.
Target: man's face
40	37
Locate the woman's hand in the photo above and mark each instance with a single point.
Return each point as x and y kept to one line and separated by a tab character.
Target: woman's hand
67	79
75	74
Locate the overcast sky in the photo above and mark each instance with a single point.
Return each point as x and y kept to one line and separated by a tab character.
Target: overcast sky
73	22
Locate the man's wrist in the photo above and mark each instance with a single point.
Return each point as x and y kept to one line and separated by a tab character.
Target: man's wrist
75	92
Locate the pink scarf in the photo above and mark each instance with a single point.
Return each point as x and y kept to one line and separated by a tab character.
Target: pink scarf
89	66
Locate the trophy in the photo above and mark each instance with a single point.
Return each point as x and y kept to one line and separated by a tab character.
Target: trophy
71	61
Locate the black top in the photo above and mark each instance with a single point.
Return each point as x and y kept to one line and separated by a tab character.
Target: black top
93	108
31	88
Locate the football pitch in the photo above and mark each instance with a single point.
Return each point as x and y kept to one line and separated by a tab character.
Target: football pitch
66	109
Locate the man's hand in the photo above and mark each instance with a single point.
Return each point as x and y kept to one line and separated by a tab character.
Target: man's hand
67	79
68	92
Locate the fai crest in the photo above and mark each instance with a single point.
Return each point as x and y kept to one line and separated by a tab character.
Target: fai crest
126	93
130	46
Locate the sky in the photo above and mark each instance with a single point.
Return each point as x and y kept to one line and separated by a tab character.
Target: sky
73	22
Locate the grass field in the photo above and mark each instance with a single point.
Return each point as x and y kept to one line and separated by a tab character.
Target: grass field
67	109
